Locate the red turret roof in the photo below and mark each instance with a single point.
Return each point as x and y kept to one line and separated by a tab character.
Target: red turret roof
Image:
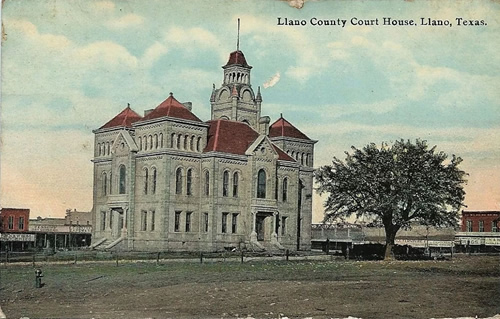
171	108
284	128
234	137
238	58
124	119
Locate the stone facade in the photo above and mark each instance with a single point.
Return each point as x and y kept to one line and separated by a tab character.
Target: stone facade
169	181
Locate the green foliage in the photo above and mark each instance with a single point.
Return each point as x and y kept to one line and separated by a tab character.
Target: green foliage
394	184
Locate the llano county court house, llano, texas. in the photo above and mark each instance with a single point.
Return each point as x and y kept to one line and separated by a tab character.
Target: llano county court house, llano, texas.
169	181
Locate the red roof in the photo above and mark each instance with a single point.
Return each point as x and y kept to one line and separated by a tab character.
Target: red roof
282	155
124	118
171	108
234	137
284	128
238	58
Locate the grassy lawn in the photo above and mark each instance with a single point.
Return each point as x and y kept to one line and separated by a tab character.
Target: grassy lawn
465	286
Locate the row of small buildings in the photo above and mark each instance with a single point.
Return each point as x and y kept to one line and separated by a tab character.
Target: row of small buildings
479	231
19	233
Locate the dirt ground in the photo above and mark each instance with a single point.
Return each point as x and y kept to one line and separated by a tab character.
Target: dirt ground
464	286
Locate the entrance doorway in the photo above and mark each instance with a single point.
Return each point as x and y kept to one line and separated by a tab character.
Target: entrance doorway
260	227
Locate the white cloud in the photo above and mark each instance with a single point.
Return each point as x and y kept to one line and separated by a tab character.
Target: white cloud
104	6
191	38
126	21
272	81
105	53
153	53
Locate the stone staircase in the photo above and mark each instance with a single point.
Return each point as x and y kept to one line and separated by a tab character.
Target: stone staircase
99	244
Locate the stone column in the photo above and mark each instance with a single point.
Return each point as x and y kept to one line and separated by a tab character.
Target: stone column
274	236
109	212
253	234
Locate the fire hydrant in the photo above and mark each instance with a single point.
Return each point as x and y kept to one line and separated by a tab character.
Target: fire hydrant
38	278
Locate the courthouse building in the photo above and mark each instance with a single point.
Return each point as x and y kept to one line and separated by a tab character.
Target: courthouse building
170	181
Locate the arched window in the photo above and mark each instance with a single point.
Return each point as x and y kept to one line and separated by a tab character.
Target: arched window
285	189
156	141
153	187
110	183
225	183
140	143
145	141
122	185
161	140
189	182
179	141
261	184
186	142
207	183
104	184
146	181
178	181
108	148
302	156
150	142
192	143
98	149
172	140
198	144
235	184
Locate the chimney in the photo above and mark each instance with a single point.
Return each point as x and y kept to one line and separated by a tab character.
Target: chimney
264	125
188	105
146	112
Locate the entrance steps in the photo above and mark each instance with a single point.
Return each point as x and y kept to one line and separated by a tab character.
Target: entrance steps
114	243
98	243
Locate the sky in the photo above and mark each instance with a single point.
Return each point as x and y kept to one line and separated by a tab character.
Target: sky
70	66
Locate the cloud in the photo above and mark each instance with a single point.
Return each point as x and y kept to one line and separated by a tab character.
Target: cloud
272	81
105	53
191	38
104	6
153	53
126	21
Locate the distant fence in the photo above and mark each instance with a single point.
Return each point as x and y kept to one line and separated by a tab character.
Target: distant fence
75	256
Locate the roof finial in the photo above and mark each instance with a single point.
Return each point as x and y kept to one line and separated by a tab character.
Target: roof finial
281	115
238	39
171	94
128	105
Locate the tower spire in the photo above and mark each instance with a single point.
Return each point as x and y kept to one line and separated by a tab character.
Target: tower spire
238	39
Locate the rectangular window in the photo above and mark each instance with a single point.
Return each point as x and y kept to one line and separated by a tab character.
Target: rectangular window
11	222
103	220
205	222
481	226
234	224
188	221
469	226
494	228
224	222
177	220
144	220
21	223
283	225
152	220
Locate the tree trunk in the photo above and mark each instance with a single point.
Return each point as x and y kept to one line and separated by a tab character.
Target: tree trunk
390	237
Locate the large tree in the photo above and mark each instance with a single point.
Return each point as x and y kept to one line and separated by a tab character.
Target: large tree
395	185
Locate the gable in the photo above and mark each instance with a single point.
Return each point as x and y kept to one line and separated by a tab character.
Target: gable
124	143
263	148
